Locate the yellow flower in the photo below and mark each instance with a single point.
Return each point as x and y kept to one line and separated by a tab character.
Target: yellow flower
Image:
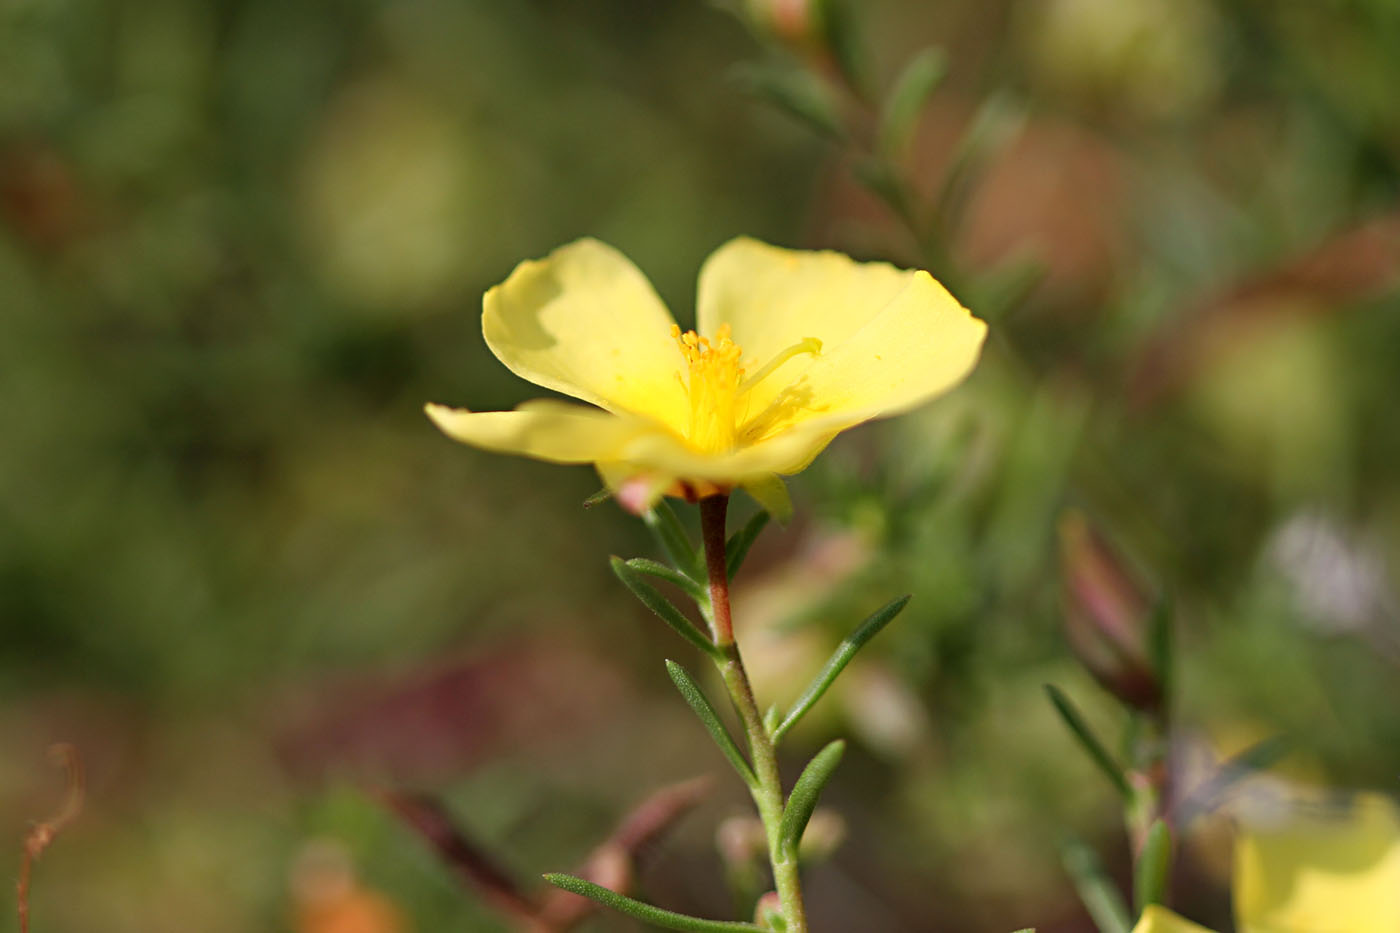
1320	867
1310	864
1157	919
793	347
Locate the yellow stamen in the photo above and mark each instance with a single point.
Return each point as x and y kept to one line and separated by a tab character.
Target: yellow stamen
717	387
806	345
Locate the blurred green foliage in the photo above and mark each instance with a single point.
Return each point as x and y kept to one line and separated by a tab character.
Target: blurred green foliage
241	243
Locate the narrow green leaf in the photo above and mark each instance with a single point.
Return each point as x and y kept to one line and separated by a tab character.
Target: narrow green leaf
803	799
843	37
1100	898
693	587
1090	742
660	605
706	713
667	919
997	122
884	182
900	115
1002	289
1154	867
838	661
797	92
739	543
1257	757
671	534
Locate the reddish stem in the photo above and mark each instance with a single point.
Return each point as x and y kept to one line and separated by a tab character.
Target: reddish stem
713	510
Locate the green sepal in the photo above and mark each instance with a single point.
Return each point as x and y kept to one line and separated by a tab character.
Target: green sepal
693	587
660	605
1079	728
803	799
695	697
900	115
838	661
737	548
1154	867
772	493
1096	892
661	520
667	919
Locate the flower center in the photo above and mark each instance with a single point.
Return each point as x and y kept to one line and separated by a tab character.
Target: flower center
716	385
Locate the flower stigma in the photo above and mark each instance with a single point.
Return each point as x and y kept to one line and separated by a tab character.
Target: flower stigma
716	385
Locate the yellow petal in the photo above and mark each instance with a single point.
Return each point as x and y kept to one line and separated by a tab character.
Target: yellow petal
584	321
624	447
921	344
546	430
772	297
1322	868
1157	919
785	454
890	338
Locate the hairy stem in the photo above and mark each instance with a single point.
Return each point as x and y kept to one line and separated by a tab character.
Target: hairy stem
768	794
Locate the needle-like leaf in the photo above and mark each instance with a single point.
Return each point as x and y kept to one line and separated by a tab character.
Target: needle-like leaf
663	608
706	713
1153	867
838	661
1100	898
693	588
662	521
1079	728
803	799
667	919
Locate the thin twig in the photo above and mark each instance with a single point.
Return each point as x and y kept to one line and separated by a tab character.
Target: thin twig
42	834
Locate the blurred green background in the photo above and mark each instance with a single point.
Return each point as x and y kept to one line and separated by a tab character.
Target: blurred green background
241	244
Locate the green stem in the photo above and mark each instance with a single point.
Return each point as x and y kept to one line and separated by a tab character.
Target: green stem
768	791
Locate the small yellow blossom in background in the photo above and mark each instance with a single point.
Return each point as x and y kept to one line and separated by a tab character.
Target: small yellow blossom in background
1319	867
1157	919
792	348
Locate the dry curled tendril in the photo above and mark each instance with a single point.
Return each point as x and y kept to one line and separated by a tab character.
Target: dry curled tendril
43	833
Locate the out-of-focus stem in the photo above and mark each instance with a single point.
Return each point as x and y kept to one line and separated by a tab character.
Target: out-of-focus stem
768	794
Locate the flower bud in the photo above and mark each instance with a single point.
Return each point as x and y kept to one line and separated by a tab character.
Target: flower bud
1106	615
798	24
740	840
769	912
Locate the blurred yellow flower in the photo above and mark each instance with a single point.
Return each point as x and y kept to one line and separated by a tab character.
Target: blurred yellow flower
1310	865
1320	868
1156	919
796	347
